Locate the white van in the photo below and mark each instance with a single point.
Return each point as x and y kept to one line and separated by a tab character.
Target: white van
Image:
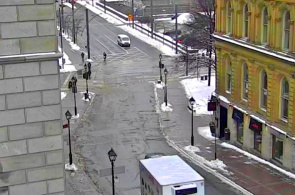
123	40
169	175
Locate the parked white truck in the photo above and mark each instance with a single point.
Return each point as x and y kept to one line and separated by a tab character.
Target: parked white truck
169	175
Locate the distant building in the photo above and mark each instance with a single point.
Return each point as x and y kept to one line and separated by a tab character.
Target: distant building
255	45
31	144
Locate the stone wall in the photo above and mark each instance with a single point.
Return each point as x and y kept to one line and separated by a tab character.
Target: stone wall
31	147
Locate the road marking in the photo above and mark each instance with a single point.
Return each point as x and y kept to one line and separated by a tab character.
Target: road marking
102	44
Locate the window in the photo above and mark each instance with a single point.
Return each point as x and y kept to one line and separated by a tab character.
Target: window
286	31
240	131
264	26
284	99
257	140
245	82
229	17
246	20
228	74
277	148
263	92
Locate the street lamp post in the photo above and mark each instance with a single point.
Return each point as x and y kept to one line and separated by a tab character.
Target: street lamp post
68	117
74	90
73	18
86	78
192	102
213	129
160	67
112	156
166	95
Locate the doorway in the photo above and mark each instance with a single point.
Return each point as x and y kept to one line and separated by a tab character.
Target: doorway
223	121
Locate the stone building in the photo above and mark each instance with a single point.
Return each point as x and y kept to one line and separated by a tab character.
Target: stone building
255	48
31	147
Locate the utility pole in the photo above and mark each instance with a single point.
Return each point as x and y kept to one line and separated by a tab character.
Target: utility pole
132	7
176	29
152	20
73	18
210	53
60	33
186	67
87	29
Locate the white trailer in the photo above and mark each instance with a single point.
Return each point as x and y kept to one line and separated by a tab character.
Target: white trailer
169	175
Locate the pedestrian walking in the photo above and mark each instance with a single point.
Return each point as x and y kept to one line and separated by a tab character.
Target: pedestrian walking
82	56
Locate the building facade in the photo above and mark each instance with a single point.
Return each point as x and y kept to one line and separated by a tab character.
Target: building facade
31	146
255	45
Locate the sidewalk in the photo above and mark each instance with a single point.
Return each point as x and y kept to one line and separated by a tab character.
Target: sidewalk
255	177
77	182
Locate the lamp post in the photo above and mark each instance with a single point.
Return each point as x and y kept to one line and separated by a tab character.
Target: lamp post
68	117
74	90
166	95
192	102
85	76
213	130
112	156
161	66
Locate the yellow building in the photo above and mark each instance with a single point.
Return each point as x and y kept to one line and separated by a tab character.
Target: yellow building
255	47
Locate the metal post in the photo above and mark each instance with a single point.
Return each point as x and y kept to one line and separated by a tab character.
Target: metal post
186	67
113	177
75	89
166	95
87	29
192	138
70	154
92	3
215	146
160	66
73	18
132	6
61	40
152	20
210	55
176	29
104	6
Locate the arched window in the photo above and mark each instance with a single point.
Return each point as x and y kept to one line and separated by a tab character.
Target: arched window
286	31
228	17
284	98
264	26
228	74
245	81
263	92
246	20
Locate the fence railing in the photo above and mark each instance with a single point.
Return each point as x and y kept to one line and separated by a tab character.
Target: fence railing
145	30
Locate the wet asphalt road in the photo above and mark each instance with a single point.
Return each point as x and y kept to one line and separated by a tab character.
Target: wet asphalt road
123	115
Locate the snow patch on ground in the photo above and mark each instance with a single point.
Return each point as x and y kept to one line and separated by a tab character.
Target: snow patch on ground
206	133
192	148
63	95
90	95
167	108
76	116
71	167
218	164
251	156
201	93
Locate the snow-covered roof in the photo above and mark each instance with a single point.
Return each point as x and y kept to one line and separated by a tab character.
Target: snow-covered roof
168	170
280	55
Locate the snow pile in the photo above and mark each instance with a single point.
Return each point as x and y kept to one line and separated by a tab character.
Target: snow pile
71	167
251	156
159	85
206	133
63	95
192	148
185	18
69	5
90	95
218	164
167	108
67	66
74	46
201	93
76	116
